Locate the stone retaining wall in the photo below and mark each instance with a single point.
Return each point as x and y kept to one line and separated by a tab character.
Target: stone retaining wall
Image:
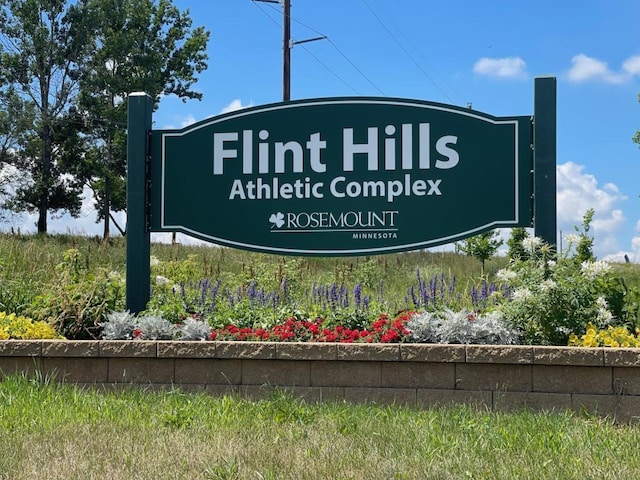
599	381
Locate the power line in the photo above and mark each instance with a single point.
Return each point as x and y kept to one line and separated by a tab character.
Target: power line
343	54
354	66
395	39
331	71
322	36
417	50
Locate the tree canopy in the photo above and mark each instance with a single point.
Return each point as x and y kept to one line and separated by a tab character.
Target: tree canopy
65	72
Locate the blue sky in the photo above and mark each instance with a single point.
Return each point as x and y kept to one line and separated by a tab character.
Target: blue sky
458	52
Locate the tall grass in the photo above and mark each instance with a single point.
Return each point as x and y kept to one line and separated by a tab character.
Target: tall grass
30	260
63	432
27	264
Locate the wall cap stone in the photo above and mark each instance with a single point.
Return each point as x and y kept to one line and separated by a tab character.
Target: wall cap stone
432	353
186	349
20	348
246	350
579	356
622	357
124	348
306	351
375	352
511	354
70	348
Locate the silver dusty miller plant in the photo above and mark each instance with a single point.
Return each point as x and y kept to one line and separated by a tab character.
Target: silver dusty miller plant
119	326
126	326
154	327
463	327
193	329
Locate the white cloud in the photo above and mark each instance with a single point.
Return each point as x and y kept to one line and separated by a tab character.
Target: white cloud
632	65
182	121
585	68
235	105
577	192
509	67
188	120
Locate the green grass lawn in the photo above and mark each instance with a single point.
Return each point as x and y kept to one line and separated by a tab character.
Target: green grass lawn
51	431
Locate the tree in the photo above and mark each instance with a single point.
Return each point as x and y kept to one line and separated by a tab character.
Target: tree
482	246
516	251
43	44
140	45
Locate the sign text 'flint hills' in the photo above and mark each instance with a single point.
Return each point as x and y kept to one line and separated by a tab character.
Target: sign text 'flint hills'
307	157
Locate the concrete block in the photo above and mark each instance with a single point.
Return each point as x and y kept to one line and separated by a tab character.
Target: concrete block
622	357
70	348
204	349
20	348
515	401
628	410
426	398
427	352
306	351
510	354
593	357
276	372
221	390
572	379
128	348
77	370
493	377
214	371
626	381
142	370
376	352
19	365
595	405
403	397
342	374
418	375
255	350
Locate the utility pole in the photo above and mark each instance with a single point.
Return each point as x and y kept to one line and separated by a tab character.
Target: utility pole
287	45
286	48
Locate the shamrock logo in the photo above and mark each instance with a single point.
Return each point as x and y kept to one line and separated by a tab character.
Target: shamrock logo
277	219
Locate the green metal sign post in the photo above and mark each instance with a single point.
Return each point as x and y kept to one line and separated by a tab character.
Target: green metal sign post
138	268
338	176
544	152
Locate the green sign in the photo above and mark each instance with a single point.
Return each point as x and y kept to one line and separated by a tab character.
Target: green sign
342	176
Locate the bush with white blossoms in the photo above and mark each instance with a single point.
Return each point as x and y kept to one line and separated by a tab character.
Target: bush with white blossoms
550	296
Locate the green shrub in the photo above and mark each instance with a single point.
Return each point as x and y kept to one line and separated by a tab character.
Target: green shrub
24	328
78	300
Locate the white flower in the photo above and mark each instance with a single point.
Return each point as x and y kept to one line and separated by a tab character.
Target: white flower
604	316
160	280
593	269
572	239
521	295
530	244
153	261
505	275
547	285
